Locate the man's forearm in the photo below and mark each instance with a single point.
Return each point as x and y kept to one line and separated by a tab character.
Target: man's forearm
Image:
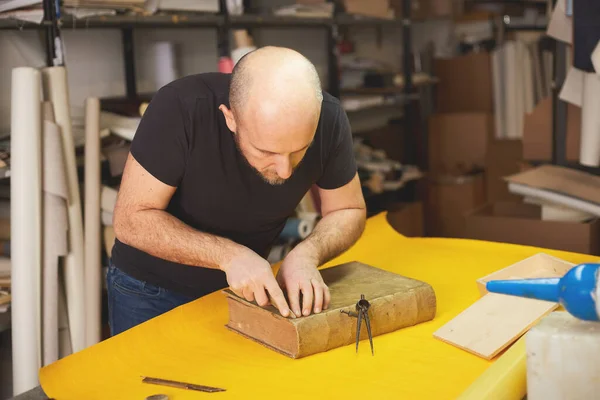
162	235
334	234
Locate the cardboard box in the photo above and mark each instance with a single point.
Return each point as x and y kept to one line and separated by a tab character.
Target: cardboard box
423	9
502	159
517	223
465	84
537	132
371	8
407	218
390	138
540	265
446	8
458	140
449	199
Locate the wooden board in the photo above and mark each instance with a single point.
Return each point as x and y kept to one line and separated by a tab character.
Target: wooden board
540	265
493	323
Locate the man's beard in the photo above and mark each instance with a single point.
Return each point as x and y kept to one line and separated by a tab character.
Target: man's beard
275	181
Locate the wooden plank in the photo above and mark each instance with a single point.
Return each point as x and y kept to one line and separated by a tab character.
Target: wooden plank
540	265
493	323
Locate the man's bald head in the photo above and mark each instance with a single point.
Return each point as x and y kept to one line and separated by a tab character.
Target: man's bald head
275	75
275	99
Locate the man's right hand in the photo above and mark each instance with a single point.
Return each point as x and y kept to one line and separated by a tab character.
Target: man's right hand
250	276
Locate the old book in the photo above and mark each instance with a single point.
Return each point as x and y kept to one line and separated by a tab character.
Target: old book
396	302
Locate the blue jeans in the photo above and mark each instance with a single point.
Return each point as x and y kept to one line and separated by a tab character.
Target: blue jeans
131	301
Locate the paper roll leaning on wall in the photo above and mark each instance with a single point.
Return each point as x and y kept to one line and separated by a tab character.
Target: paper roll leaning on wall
93	268
165	63
590	121
26	226
54	80
56	225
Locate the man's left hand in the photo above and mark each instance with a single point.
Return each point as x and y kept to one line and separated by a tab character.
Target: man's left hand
299	274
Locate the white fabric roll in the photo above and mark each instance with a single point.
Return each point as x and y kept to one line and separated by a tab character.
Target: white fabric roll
55	90
26	226
512	91
519	81
590	121
528	83
56	223
93	285
499	84
165	65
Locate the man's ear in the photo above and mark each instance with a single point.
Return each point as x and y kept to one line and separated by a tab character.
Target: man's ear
229	118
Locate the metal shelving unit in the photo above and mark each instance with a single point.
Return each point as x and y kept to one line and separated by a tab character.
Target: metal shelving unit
224	23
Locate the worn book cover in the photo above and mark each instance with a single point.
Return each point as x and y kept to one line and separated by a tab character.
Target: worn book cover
396	302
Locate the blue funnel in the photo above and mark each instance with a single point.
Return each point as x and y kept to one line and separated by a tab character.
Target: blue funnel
575	291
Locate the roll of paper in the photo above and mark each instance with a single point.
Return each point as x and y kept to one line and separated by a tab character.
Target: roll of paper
93	285
165	65
55	223
54	81
512	91
519	81
590	121
498	67
64	337
26	226
296	228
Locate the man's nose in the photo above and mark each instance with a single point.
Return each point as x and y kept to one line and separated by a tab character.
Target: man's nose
284	166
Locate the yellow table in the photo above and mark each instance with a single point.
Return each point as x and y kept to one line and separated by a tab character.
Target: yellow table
192	344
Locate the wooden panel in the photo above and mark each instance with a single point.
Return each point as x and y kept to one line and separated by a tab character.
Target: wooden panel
540	265
493	323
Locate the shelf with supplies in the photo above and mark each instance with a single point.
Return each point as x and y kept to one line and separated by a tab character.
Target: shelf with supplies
401	98
390	90
198	20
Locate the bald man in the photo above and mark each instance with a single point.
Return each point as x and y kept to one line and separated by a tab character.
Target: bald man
217	165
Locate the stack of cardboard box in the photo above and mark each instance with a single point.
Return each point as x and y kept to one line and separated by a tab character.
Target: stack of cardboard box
467	194
460	133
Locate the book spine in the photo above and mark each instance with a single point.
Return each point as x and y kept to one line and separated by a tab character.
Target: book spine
333	329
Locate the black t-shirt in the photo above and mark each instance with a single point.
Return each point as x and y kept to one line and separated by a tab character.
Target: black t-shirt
183	141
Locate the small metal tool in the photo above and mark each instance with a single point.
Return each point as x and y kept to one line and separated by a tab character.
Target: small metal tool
181	385
158	397
362	312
